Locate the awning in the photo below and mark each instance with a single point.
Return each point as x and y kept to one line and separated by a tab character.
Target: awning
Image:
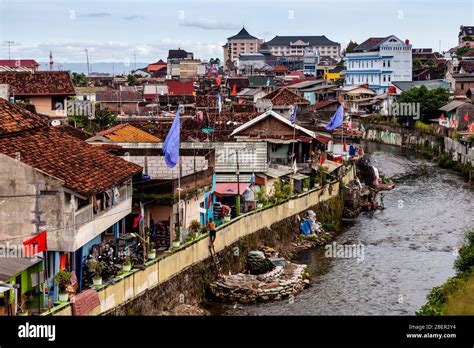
330	165
298	176
11	266
230	188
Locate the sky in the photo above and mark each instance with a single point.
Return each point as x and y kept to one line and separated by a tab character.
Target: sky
125	31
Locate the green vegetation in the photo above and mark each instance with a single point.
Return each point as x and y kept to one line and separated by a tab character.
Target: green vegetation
79	80
456	296
62	279
281	191
423	127
461	51
97	267
262	197
131	80
430	101
350	46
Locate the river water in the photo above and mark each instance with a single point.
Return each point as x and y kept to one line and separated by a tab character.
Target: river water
408	247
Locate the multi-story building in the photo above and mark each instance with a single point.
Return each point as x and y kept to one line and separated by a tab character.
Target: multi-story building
239	44
377	62
310	62
466	33
296	46
76	192
175	57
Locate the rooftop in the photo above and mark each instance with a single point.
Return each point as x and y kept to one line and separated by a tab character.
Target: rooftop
38	83
243	34
53	150
126	133
311	40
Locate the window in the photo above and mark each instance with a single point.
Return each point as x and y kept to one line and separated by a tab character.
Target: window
462	86
372	64
384	63
388	64
57	103
389	78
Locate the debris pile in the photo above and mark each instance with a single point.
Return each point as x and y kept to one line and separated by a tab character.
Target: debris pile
283	280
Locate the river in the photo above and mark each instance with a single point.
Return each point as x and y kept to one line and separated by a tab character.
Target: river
408	248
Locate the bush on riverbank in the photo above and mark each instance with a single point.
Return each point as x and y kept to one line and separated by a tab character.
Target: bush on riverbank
454	297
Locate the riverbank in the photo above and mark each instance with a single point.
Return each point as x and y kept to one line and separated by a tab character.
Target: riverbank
181	275
456	295
446	152
407	247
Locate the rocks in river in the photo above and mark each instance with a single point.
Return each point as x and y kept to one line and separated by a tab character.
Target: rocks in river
257	262
277	284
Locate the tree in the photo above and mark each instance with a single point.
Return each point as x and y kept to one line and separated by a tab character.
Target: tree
79	80
131	80
350	46
103	119
461	51
430	101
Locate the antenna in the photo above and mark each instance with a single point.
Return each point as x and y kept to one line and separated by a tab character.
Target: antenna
9	43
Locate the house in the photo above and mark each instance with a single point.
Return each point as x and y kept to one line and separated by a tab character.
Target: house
29	64
454	116
281	100
310	62
157	69
175	57
403	86
151	92
296	46
321	92
88	93
48	91
180	88
377	62
353	95
267	83
141	73
238	44
83	194
17	277
466	33
250	95
251	63
121	102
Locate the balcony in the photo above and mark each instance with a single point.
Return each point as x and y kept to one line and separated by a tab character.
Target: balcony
89	224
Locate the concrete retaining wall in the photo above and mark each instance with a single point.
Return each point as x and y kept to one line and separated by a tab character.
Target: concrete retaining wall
159	271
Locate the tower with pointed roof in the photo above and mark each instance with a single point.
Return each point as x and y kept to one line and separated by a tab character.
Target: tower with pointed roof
240	43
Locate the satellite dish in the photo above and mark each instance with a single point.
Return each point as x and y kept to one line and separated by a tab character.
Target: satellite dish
55	123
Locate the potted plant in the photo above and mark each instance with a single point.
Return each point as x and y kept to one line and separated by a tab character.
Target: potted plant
306	184
151	251
97	267
261	198
177	238
62	279
194	227
127	266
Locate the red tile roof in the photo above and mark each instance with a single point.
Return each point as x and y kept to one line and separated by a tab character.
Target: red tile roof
180	88
323	104
14	118
84	168
284	96
16	63
38	83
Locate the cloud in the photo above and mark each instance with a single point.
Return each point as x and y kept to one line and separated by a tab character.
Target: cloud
114	51
96	15
208	24
134	17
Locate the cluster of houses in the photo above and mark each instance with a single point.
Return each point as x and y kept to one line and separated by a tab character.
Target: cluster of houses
258	119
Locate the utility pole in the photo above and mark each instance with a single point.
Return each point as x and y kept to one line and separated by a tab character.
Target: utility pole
9	43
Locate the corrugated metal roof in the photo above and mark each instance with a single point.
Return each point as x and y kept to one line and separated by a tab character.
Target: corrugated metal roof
10	266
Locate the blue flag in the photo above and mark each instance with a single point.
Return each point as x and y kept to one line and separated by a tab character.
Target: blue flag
219	102
171	144
336	120
293	114
252	179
